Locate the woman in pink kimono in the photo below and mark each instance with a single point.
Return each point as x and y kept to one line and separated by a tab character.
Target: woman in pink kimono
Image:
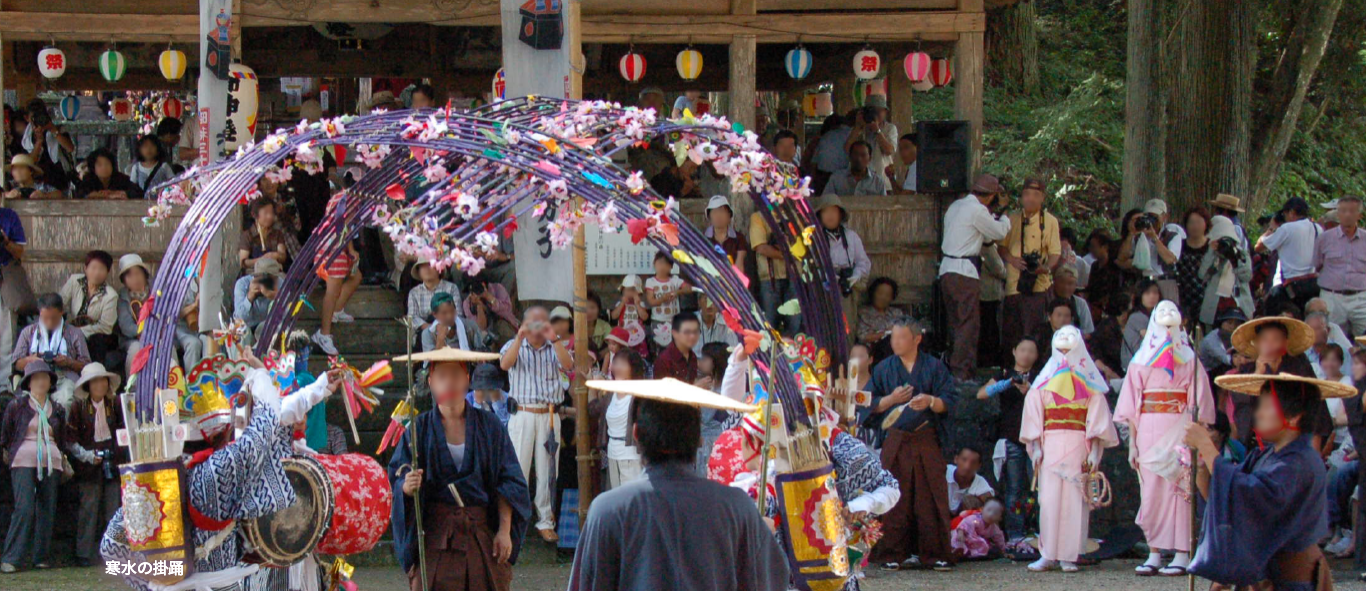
1163	380
1066	426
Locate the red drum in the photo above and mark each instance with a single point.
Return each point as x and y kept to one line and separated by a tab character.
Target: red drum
361	513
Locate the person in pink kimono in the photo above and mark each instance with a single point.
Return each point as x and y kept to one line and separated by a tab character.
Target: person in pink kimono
1066	427
977	534
1163	380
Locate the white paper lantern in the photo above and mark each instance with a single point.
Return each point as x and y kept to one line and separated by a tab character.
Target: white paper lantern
51	63
240	126
923	85
632	67
867	64
689	63
917	66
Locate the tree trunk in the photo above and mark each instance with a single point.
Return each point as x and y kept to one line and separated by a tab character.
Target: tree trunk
1289	84
1145	114
1014	45
1209	110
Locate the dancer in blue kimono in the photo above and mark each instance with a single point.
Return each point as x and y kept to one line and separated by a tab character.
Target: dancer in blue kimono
474	499
1264	518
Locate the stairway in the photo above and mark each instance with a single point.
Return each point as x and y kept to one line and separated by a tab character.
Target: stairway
376	335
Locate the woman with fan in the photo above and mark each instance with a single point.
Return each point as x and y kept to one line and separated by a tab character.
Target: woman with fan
1163	381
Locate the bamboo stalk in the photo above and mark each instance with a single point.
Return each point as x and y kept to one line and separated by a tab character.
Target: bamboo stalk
412	445
583	329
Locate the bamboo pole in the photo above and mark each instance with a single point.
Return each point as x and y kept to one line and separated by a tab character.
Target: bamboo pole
583	329
412	450
1195	469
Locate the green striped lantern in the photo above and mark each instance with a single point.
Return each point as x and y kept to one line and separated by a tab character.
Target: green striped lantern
112	65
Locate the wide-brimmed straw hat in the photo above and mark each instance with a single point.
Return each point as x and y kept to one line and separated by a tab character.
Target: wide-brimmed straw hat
26	161
1251	384
419	265
1301	337
451	354
674	391
94	371
1226	201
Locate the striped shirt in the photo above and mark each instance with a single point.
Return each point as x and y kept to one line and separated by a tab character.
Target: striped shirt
535	378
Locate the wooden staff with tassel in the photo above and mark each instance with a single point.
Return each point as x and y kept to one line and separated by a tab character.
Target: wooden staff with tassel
412	449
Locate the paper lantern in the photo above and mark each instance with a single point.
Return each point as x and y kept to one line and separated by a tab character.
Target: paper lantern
172	63
112	65
500	85
923	85
240	125
171	107
797	62
867	64
632	66
941	72
689	62
917	66
121	109
51	63
70	107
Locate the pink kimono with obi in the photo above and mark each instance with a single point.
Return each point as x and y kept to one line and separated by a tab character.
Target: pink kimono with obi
973	537
1066	424
1161	383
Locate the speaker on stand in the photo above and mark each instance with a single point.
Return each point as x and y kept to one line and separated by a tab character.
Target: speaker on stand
945	153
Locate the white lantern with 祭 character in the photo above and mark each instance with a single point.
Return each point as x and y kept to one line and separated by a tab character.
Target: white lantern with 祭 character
867	64
51	63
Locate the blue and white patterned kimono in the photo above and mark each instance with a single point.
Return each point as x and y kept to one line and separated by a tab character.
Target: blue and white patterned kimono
244	480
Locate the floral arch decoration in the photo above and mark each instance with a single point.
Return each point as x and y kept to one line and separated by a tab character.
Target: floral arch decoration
444	184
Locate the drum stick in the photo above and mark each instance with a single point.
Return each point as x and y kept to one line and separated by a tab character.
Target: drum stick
459	500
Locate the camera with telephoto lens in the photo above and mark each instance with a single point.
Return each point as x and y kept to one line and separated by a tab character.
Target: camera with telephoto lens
107	462
1029	278
845	275
1146	221
1228	248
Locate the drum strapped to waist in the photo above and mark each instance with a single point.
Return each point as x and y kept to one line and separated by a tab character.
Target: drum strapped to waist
286	536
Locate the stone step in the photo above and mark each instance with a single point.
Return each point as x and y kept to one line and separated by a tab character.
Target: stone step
365	336
369	302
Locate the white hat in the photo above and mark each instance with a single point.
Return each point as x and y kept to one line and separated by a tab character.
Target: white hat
130	261
1155	206
1221	227
718	201
671	390
1331	205
561	313
630	281
93	371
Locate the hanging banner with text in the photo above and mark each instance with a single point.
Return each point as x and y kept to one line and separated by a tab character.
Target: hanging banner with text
543	272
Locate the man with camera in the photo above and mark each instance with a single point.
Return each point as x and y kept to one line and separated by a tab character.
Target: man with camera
871	126
1151	244
968	225
1031	250
50	148
1293	243
55	342
1340	259
253	294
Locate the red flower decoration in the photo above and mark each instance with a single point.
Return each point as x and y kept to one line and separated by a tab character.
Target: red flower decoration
732	319
140	360
509	229
395	192
638	228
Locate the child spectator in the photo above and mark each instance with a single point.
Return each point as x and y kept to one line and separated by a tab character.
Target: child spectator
977	533
631	313
1010	387
967	488
661	292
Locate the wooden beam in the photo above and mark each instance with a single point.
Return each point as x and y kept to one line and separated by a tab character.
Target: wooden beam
781	28
743	55
74	26
968	80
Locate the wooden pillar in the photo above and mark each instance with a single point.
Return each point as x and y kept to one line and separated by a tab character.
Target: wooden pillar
901	101
968	79
742	70
4	158
843	98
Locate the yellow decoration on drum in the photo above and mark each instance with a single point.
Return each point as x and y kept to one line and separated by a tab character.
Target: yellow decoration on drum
154	515
814	528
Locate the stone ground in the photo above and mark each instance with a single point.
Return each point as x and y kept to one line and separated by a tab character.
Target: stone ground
542	571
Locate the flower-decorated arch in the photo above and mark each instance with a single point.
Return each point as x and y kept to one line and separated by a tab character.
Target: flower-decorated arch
445	184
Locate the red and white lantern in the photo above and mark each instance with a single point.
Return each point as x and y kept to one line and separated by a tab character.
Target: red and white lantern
632	67
867	64
172	108
51	63
941	72
917	66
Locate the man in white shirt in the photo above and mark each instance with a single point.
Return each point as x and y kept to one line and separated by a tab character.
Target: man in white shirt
1293	243
965	483
968	224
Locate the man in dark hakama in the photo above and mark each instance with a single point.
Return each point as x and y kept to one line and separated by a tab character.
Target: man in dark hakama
672	529
1264	518
474	500
912	394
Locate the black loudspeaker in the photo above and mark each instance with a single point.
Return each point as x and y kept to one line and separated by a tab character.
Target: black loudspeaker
944	155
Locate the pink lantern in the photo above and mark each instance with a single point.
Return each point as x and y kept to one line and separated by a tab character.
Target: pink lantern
632	67
941	72
867	64
917	66
172	108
